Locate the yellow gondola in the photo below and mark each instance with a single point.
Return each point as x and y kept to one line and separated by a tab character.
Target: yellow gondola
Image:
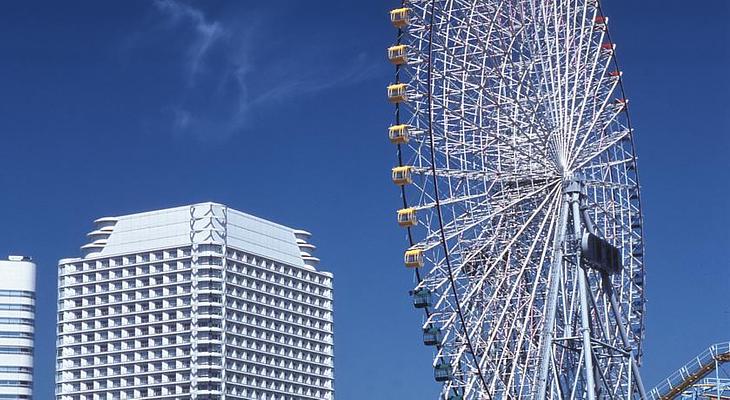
398	55
402	175
398	134
400	17
407	217
397	92
413	258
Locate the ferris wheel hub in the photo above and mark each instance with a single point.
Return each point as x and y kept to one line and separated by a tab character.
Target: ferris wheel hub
572	185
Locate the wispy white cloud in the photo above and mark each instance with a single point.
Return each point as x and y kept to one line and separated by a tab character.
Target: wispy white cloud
206	33
357	71
226	82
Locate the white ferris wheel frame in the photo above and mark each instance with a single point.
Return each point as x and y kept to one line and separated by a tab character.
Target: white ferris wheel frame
517	144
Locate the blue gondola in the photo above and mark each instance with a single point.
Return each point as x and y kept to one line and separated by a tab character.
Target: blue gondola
442	372
432	335
422	298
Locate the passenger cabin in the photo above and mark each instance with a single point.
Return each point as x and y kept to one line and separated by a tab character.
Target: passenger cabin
620	104
398	55
600	22
397	93
615	74
442	372
407	217
608	48
422	298
432	335
398	134
413	258
402	175
400	17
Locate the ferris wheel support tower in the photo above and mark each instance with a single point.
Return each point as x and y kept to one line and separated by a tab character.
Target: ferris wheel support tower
582	228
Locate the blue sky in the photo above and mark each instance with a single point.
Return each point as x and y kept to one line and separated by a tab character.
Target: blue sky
278	109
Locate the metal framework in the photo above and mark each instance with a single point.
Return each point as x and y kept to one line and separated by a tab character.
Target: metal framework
514	143
685	383
708	389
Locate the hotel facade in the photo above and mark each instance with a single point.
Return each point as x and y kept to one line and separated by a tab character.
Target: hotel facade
17	317
194	302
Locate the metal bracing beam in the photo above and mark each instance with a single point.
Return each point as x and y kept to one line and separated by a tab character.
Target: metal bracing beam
584	305
555	273
609	292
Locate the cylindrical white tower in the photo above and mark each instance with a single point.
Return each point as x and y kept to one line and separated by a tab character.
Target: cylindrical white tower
17	314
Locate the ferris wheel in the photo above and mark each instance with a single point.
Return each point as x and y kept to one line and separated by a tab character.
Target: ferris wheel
520	197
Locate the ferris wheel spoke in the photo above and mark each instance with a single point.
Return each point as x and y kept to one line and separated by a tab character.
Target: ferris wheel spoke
584	40
504	325
509	144
594	82
478	286
438	279
494	100
471	289
532	346
546	50
489	177
606	115
469	221
598	146
466	197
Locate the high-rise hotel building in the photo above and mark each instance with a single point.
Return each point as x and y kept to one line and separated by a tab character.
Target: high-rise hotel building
17	314
194	302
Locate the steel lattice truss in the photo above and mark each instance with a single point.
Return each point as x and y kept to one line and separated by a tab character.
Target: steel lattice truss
518	137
